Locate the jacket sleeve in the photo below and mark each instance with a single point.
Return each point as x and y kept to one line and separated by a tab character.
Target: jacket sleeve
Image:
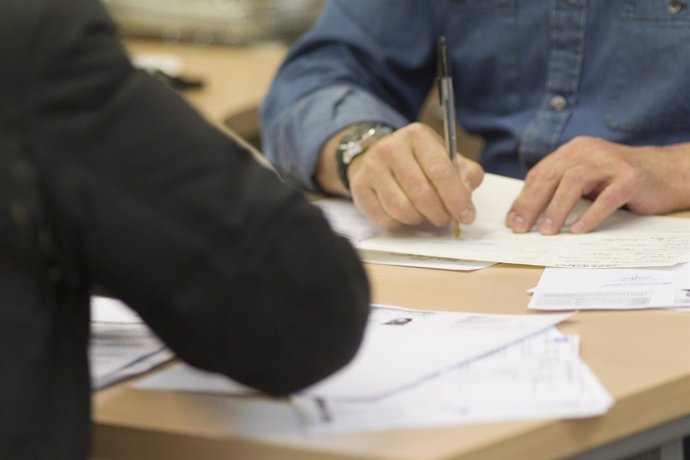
233	269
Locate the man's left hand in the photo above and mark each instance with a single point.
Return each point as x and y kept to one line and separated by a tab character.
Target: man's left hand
648	180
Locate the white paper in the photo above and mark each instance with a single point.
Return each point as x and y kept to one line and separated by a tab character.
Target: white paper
536	378
107	310
403	346
346	220
183	377
612	289
623	240
120	345
421	261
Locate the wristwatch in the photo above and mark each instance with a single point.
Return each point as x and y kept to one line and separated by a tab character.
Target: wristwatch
355	142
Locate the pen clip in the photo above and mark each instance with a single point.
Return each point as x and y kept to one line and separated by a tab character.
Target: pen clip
442	66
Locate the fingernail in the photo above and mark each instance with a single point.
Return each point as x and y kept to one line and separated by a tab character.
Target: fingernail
547	227
518	224
467	216
578	227
510	218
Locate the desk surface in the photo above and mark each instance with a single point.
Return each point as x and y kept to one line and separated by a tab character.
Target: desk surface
235	78
641	357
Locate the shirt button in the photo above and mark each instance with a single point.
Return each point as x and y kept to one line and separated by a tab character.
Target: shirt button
675	6
558	103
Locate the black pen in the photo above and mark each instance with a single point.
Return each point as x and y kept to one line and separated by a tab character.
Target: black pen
447	99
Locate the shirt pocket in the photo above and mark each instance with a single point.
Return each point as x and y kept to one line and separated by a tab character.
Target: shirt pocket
482	41
650	85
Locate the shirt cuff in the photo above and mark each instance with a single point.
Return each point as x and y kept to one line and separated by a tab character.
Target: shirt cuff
292	143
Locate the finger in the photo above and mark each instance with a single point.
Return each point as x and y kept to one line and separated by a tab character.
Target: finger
609	200
572	187
423	195
540	185
446	180
404	192
366	200
376	192
390	196
471	173
396	203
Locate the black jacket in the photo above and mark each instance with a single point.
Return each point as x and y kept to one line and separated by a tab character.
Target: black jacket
108	178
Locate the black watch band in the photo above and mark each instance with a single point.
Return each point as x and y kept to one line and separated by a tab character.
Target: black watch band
354	142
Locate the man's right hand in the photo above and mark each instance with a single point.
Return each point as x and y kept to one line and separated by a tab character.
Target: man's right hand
406	178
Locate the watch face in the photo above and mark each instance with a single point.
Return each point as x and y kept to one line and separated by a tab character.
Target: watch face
351	150
356	141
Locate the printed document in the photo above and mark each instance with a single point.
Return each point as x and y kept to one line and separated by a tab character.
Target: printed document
536	378
121	345
612	289
183	377
403	346
346	220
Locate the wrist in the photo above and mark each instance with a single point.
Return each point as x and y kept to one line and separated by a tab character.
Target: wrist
354	142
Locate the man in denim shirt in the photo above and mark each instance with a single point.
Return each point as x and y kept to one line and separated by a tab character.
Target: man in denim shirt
585	98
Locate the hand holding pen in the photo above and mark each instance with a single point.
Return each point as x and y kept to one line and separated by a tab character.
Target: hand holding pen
406	178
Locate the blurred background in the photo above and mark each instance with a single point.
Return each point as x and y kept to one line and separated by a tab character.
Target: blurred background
235	46
204	22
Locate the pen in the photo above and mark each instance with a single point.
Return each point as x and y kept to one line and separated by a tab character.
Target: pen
447	100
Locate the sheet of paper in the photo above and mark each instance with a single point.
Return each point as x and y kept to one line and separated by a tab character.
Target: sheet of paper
612	289
421	261
183	377
408	344
348	221
121	345
403	346
106	310
624	240
536	378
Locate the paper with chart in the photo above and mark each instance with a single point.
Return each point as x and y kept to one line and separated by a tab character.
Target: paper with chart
624	240
120	345
612	289
535	378
348	221
402	346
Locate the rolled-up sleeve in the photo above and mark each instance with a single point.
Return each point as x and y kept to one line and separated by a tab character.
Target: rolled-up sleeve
292	141
354	65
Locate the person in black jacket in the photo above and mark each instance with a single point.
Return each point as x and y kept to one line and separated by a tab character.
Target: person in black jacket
107	178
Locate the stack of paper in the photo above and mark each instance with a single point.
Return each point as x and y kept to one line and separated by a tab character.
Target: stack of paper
346	220
624	240
537	378
121	344
402	347
423	368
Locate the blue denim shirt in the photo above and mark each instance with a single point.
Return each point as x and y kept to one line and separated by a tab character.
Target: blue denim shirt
529	75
